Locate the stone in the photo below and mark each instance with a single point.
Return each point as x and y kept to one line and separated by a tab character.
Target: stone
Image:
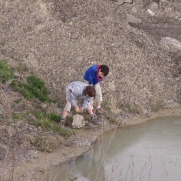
163	1
150	12
78	121
120	2
154	7
132	19
172	42
134	10
128	1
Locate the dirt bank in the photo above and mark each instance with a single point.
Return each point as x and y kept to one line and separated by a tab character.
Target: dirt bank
37	164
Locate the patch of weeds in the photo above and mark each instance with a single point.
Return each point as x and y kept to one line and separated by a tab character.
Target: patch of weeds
37	123
112	120
6	73
55	101
54	117
51	116
39	115
46	144
44	121
156	105
66	132
16	116
14	124
16	102
56	128
131	108
19	87
46	124
38	87
35	87
69	120
22	68
105	105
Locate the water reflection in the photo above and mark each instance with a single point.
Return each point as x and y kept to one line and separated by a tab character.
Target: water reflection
145	152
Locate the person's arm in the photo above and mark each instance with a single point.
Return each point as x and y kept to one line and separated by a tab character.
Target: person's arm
71	98
86	103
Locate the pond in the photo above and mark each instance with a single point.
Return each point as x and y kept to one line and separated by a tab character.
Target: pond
150	151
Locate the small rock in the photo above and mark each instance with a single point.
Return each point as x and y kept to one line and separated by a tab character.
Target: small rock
134	10
163	1
44	106
150	12
132	19
172	42
124	1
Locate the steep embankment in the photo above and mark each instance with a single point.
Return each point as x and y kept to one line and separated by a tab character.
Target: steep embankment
58	40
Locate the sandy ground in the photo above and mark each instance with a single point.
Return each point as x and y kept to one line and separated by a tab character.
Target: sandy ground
30	169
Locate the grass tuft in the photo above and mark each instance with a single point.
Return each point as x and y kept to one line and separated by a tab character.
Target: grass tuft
6	73
35	87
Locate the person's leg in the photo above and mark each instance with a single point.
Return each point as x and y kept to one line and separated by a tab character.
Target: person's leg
90	111
93	116
65	112
98	98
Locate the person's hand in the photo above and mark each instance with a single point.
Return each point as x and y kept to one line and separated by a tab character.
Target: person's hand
77	109
81	109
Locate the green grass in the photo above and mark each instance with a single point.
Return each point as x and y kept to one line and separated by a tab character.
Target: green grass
54	117
46	122
16	116
6	73
31	89
51	116
35	87
47	125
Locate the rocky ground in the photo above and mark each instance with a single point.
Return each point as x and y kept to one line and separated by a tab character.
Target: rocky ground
58	40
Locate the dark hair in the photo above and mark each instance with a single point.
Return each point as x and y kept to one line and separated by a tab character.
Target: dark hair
104	69
90	91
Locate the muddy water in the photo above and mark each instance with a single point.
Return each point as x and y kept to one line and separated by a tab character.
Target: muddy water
150	151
